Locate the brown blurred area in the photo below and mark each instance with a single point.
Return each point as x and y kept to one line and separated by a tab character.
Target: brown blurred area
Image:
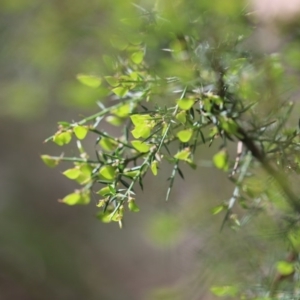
51	251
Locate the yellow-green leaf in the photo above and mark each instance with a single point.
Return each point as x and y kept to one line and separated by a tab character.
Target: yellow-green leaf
120	91
185	104
85	199
217	209
141	131
89	80
229	125
131	173
140	146
108	172
137	57
154	167
112	81
49	161
104	191
108	144
62	138
104	216
135	76
76	199
221	160
132	206
181	117
114	120
81	132
72	199
183	154
72	173
140	119
284	267
85	174
123	110
184	135
222	291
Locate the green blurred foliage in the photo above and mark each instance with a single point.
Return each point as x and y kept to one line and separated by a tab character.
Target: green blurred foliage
44	46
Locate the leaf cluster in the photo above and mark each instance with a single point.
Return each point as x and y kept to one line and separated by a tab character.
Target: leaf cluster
201	92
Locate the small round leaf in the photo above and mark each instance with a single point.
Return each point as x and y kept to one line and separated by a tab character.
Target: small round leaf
62	138
221	160
72	173
184	135
140	146
137	57
285	268
108	172
49	161
81	132
120	91
132	206
185	104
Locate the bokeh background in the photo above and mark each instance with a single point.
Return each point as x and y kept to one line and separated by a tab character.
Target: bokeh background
49	251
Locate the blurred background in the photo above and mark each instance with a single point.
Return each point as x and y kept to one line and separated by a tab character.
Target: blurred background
51	251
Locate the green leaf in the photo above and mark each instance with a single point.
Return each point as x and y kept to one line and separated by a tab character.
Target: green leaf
112	81
221	160
104	191
117	217
72	173
140	146
284	267
154	167
62	138
132	206
185	135
49	161
89	80
104	217
229	125
185	104
140	120
143	131
222	291
72	199
131	174
85	174
217	209
76	199
135	76
81	132
114	120
137	57
108	144
183	154
120	91
108	172
181	117
123	110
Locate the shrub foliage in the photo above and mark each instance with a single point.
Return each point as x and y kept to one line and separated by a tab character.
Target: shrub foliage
174	86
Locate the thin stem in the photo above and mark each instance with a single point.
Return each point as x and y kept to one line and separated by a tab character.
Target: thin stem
74	159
